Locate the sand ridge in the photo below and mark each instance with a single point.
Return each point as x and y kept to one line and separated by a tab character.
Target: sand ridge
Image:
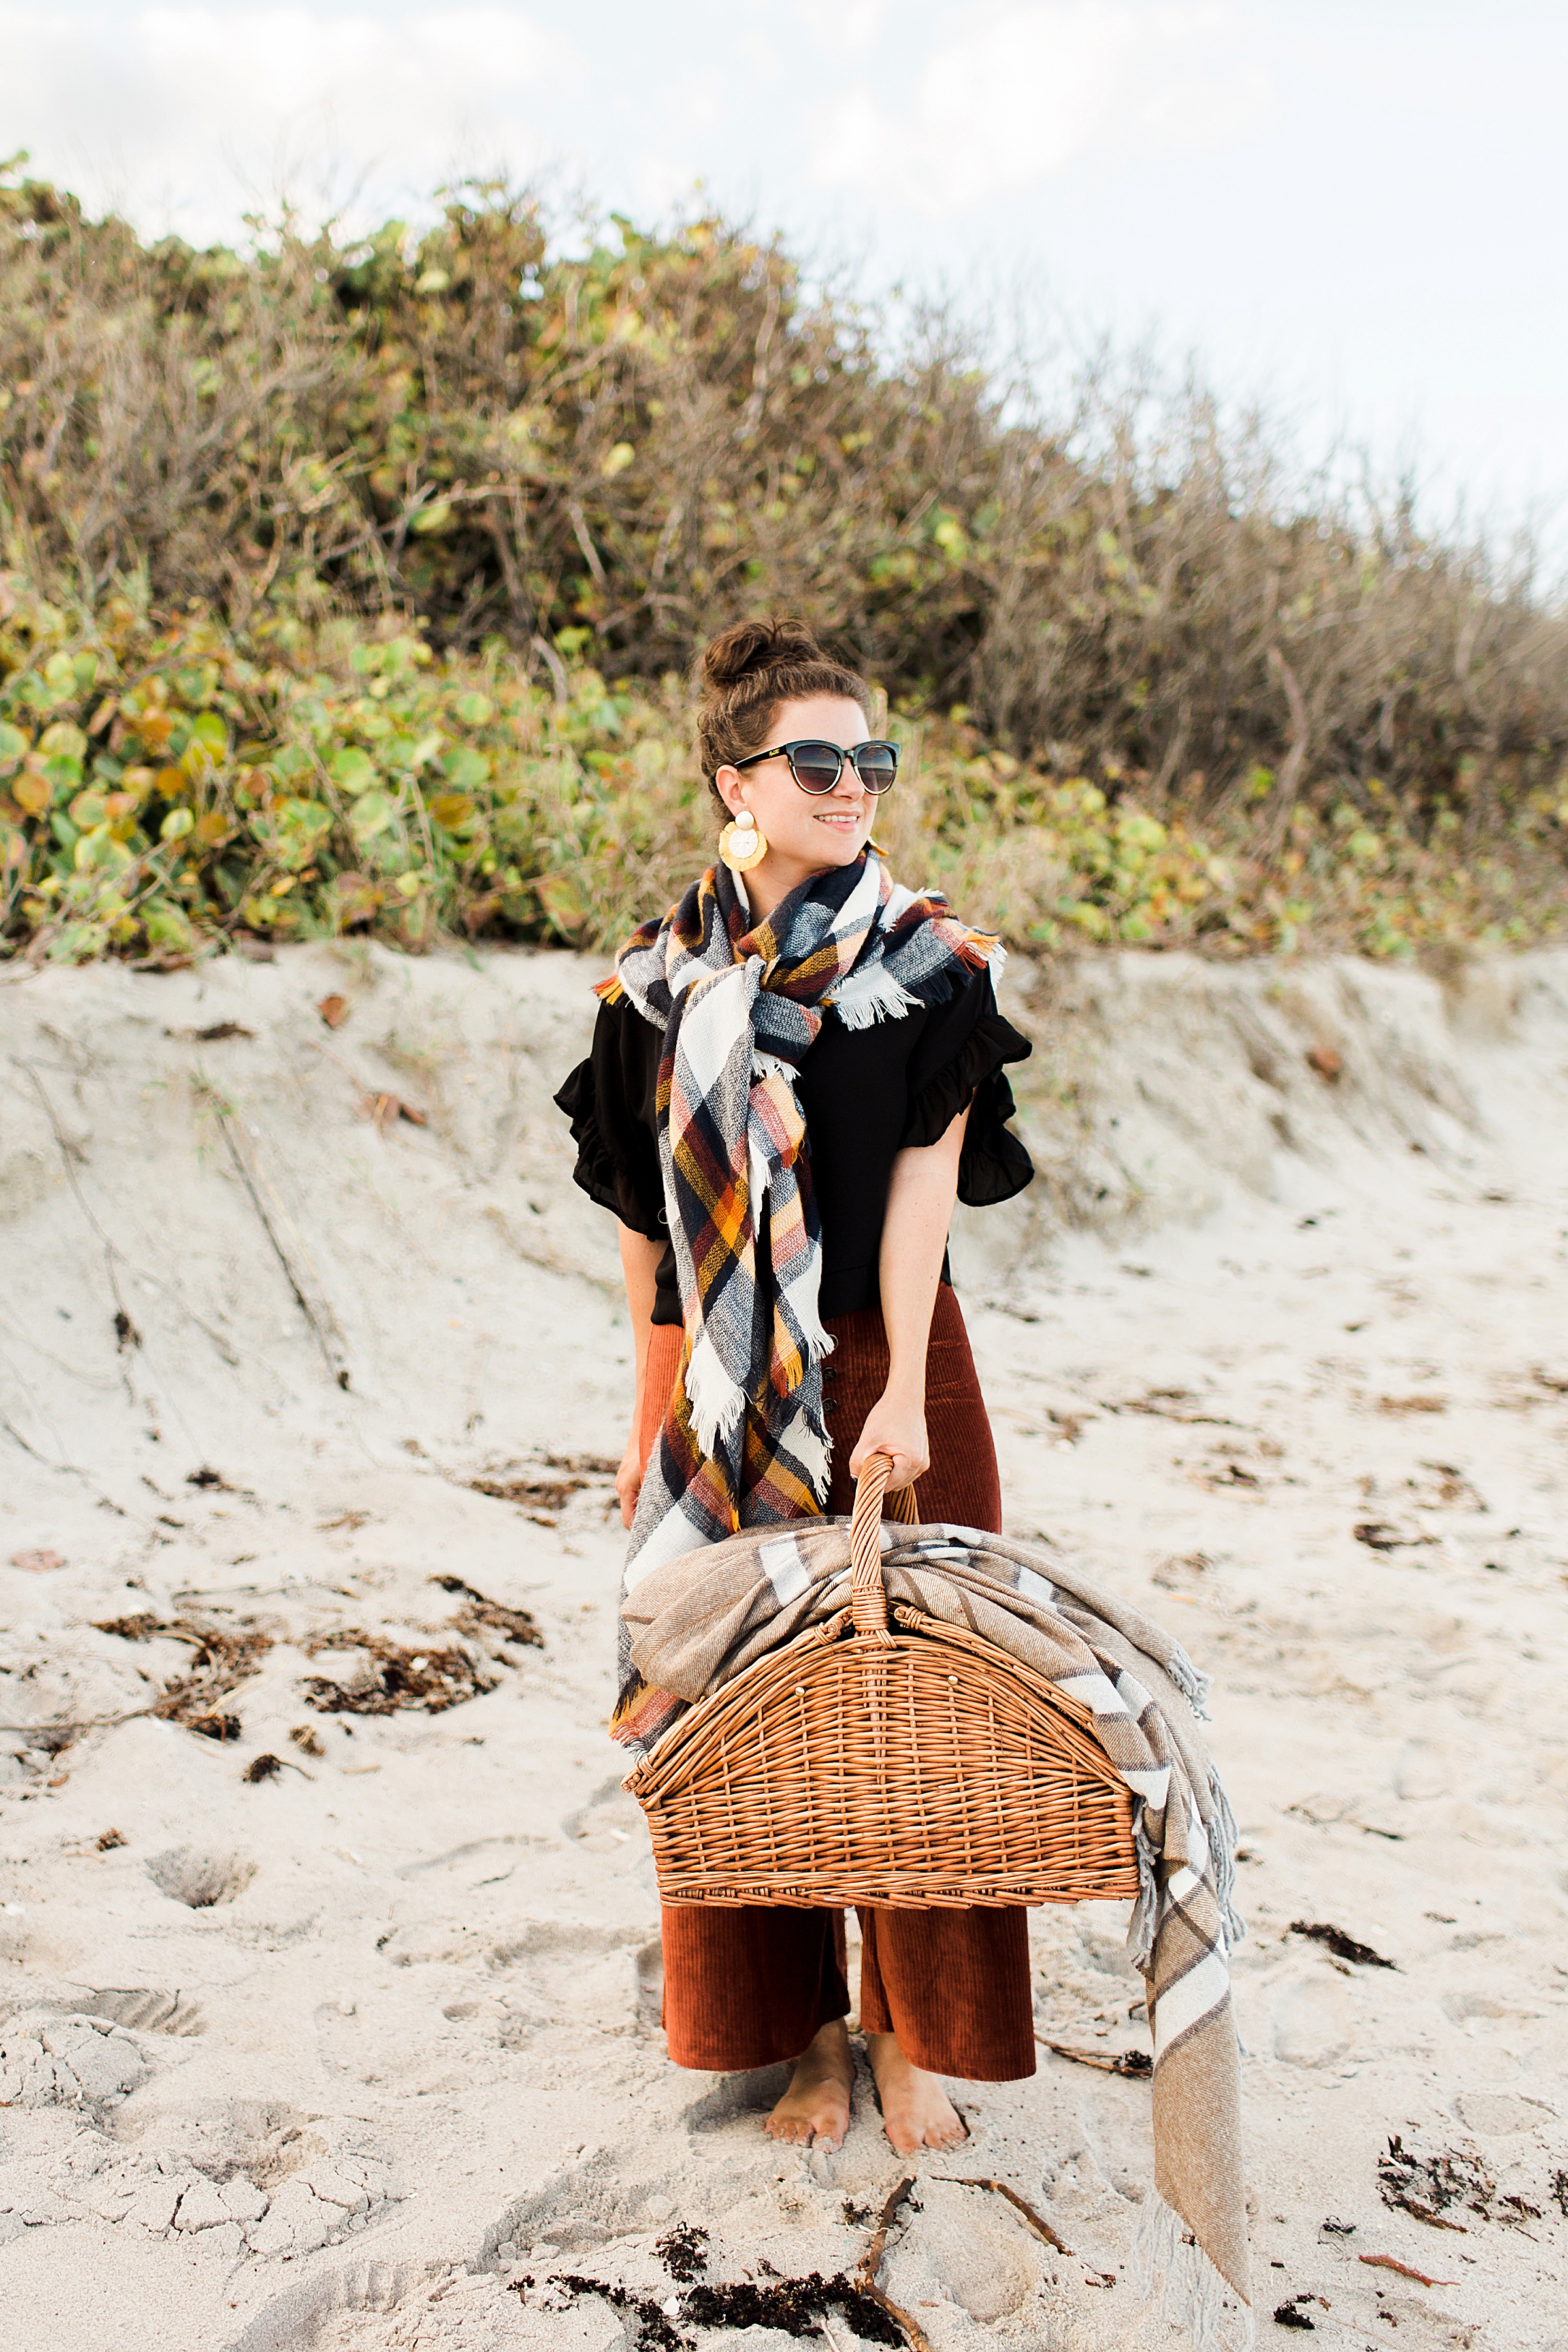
334	2056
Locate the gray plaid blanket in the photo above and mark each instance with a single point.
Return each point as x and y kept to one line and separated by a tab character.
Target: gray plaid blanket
696	1621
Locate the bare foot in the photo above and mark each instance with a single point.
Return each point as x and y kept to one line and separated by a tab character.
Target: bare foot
916	2110
817	2104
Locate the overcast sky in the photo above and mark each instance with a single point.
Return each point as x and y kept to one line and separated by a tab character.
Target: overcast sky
1360	207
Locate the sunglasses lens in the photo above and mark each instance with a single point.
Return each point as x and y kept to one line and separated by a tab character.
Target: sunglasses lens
816	766
877	766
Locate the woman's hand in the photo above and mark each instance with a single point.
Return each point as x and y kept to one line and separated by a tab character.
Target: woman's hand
895	1424
628	1479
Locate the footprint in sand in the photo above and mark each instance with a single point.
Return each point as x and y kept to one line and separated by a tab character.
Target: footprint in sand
611	1824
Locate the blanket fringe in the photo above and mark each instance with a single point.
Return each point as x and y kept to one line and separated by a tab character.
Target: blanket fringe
1222	1840
1221	1846
1146	1908
1192	1681
1167	2259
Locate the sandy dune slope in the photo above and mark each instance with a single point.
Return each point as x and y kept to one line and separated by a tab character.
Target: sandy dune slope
302	1394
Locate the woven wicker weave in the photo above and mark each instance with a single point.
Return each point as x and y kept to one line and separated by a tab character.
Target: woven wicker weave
915	1769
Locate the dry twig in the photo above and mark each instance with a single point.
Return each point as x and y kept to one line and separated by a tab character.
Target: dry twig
870	2262
1037	2222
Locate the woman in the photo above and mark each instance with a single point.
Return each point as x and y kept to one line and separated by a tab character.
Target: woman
793	1077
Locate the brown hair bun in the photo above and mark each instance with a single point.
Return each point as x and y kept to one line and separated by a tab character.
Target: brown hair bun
753	645
747	671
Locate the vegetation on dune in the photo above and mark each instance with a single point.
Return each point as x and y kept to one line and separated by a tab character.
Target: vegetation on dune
350	585
164	784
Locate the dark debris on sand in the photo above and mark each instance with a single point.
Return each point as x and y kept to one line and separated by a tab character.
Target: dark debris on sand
479	1615
397	1678
1343	1946
219	1660
683	2251
654	2333
394	1678
141	1628
795	2306
1136	2063
1426	2186
532	1495
543	1496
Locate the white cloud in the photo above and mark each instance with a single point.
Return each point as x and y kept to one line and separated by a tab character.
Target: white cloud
174	112
846	29
1009	96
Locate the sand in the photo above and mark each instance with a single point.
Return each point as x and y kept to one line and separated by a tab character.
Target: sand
1277	1345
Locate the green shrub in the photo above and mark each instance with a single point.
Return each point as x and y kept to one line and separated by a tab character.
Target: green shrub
643	442
167	786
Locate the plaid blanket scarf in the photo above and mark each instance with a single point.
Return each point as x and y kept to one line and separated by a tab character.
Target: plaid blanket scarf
695	1623
739	1005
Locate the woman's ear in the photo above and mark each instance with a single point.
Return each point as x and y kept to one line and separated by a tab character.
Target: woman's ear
727	783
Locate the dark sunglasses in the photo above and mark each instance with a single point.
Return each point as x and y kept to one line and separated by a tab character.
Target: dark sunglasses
816	767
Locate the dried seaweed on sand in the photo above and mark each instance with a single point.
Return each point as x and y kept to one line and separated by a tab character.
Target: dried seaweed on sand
479	1615
220	1661
1343	1946
1426	2186
1134	2063
683	2253
395	1677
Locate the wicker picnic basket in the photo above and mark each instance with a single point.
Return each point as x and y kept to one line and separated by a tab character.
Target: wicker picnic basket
914	1769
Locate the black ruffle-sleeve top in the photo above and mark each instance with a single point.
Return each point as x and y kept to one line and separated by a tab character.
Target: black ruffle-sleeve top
867	1095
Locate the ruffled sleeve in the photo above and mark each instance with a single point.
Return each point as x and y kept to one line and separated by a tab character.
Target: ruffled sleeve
960	1063
610	1101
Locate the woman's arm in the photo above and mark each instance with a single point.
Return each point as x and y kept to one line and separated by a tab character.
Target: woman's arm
920	1195
640	1264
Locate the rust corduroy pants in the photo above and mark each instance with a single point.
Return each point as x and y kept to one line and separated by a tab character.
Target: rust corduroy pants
749	1984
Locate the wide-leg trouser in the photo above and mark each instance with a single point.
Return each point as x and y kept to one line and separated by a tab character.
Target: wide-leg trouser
748	1984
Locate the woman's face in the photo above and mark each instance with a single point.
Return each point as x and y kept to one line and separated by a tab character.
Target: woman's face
806	832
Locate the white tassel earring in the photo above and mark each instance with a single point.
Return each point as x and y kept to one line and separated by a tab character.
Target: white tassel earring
742	844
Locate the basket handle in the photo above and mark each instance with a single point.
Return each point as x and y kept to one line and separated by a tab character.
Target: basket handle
867	1601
